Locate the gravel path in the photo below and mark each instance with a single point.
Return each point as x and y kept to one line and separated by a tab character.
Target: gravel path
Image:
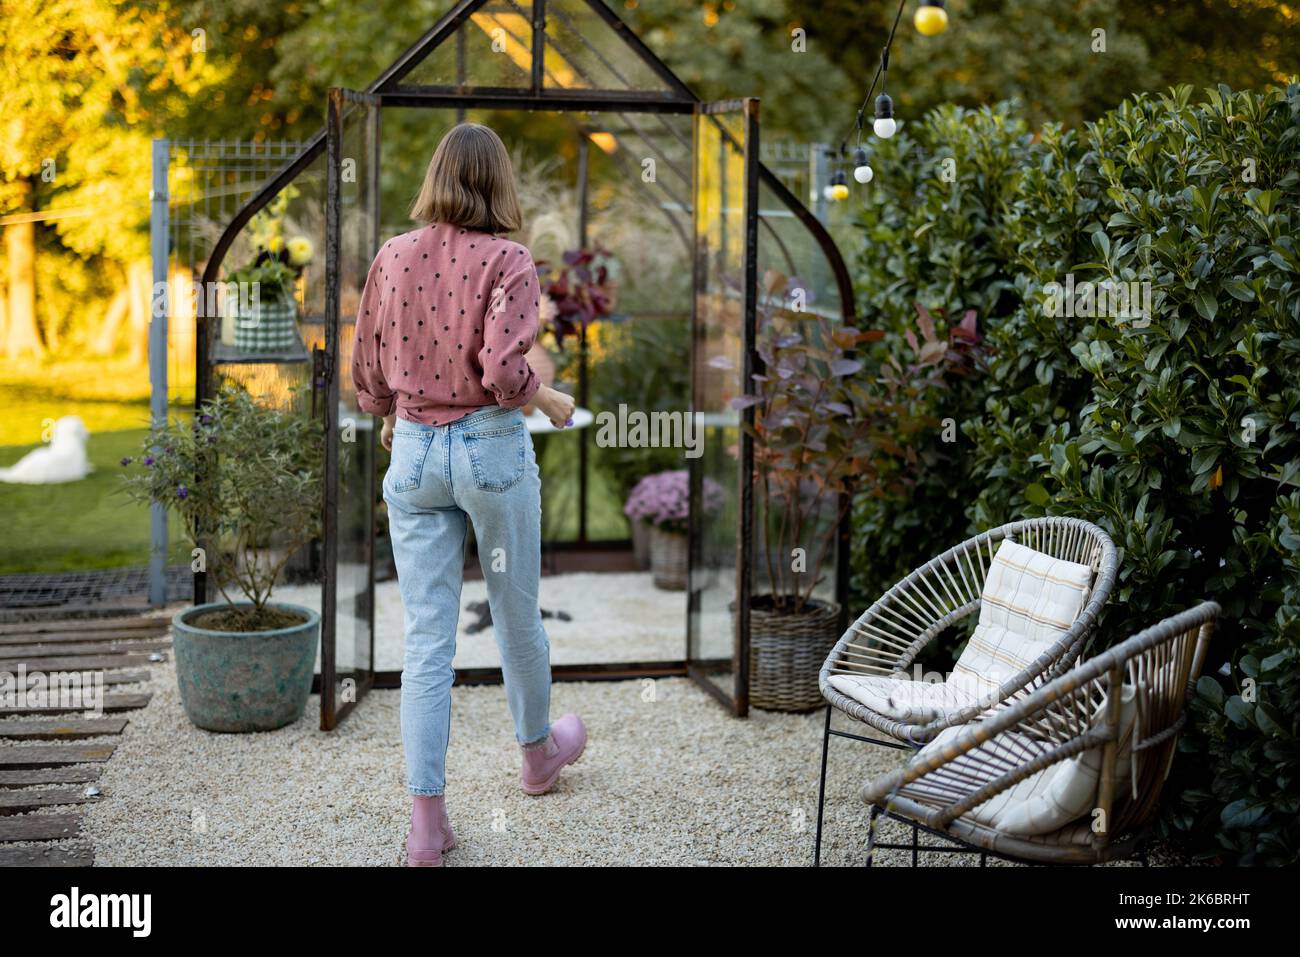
668	778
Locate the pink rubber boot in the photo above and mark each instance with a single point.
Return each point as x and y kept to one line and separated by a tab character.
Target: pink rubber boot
543	762
431	834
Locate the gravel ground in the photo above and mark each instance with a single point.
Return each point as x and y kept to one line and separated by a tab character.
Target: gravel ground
668	778
614	617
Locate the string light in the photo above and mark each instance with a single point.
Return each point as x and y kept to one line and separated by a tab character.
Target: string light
884	125
861	171
839	187
931	18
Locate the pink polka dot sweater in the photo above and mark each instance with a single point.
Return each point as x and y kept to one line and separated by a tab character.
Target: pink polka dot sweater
444	322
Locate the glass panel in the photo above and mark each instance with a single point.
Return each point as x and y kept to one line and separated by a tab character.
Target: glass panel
794	273
280	376
494	47
638	211
350	433
584	52
722	297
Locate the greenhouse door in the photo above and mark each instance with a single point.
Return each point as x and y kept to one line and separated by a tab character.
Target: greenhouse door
726	241
351	240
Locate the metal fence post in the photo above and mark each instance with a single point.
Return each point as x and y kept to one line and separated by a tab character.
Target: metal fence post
160	304
819	173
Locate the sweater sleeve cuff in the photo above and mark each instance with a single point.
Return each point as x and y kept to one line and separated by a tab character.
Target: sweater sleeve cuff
375	406
524	395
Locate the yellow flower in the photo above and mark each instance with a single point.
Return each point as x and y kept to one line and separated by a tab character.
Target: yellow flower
1216	480
300	250
273	243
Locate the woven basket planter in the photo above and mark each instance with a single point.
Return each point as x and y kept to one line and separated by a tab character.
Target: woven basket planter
269	326
669	558
786	653
641	542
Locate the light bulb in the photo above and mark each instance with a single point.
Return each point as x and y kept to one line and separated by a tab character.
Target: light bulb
931	19
839	192
884	125
828	192
863	173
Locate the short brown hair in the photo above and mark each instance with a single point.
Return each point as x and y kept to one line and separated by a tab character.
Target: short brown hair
470	183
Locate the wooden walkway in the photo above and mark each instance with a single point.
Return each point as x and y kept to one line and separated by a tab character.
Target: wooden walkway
60	772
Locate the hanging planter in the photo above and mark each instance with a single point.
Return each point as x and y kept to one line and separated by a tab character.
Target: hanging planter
264	310
267	325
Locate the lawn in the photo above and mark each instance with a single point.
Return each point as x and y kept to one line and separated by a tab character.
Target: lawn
77	525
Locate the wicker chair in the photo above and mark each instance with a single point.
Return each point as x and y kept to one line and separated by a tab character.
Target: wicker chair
943	789
890	635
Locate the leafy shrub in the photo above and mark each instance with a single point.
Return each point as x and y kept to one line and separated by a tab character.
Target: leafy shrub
261	503
1176	432
938	244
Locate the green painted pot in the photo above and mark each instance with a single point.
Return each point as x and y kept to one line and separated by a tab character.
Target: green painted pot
244	681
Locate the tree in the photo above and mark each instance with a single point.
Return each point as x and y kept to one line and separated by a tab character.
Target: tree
1047	54
90	82
772	49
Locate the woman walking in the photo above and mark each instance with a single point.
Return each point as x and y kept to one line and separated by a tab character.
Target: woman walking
448	313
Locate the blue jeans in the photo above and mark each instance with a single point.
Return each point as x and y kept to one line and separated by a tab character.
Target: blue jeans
482	467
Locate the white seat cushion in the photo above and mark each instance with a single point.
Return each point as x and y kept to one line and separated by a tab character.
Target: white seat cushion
1058	795
915	702
1029	601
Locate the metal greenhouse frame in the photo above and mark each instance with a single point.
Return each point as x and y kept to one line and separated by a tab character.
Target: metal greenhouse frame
732	215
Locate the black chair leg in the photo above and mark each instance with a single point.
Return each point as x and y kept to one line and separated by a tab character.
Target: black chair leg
984	859
871	834
821	790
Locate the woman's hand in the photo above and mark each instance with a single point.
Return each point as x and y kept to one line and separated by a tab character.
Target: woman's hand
555	405
386	433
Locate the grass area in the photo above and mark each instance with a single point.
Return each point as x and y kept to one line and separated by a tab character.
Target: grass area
77	525
109	395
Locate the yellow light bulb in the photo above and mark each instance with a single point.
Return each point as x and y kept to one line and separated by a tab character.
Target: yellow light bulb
839	193
930	20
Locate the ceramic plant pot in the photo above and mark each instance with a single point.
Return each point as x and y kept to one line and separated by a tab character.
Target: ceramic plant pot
244	681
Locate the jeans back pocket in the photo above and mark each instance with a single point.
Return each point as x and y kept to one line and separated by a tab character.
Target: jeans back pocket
406	466
497	456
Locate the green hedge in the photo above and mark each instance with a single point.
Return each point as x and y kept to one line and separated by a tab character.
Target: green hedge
1179	434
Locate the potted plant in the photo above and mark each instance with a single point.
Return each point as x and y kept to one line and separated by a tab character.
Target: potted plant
820	432
663	500
265	312
240	477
